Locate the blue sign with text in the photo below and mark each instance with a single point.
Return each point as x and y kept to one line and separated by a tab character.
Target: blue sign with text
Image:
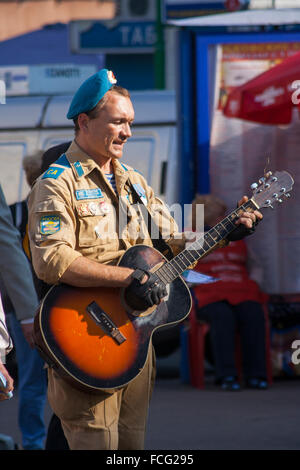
112	38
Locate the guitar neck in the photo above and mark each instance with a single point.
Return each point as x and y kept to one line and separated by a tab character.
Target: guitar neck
170	270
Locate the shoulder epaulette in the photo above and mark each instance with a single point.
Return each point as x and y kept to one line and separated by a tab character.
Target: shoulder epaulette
125	168
139	172
63	161
55	171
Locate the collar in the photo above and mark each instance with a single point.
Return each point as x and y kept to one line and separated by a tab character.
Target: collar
82	164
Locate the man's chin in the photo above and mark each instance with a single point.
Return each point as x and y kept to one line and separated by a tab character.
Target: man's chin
117	155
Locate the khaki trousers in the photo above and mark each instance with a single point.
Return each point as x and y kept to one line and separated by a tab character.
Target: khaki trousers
108	420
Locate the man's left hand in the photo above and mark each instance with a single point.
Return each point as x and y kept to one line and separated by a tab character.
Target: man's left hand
245	224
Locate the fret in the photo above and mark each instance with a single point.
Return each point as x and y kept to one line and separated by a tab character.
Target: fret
232	217
235	214
183	257
197	245
221	230
179	259
174	262
215	235
199	249
163	275
206	246
228	224
172	269
198	252
250	204
190	251
209	239
188	255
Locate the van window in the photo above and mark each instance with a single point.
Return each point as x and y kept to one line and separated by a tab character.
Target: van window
13	179
139	152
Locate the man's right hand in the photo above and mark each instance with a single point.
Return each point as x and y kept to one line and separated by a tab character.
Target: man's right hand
145	290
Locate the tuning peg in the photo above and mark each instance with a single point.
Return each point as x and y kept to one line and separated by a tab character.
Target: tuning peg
268	203
268	174
287	195
279	200
253	186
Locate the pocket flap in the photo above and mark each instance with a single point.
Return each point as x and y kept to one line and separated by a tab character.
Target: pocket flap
50	205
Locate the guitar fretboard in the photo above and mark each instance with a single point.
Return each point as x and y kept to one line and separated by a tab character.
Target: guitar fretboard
196	250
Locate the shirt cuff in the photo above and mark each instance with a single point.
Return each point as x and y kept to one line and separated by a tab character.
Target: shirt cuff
59	263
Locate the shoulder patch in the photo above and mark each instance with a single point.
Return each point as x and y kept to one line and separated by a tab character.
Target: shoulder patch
125	168
49	224
53	172
139	172
63	161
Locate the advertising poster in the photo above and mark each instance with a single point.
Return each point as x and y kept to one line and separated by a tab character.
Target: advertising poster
240	153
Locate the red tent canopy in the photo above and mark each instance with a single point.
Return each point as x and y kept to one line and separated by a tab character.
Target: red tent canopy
270	97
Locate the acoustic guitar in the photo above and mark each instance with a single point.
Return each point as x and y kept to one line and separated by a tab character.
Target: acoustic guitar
93	339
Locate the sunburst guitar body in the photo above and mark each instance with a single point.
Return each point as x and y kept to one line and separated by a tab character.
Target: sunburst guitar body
81	347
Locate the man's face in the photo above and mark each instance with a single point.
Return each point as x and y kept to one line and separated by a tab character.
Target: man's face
107	134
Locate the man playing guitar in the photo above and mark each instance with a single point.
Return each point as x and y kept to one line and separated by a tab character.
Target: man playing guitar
76	239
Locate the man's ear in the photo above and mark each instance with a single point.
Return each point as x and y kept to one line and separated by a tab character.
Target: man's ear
83	121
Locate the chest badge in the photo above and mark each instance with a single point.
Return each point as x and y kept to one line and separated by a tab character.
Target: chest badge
99	208
93	208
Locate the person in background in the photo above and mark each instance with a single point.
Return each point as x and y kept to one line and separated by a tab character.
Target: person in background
6	346
34	165
20	303
232	304
52	154
32	168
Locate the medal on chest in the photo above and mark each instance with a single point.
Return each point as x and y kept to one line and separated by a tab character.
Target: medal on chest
93	208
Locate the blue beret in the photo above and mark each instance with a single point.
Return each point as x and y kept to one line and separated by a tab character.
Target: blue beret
91	92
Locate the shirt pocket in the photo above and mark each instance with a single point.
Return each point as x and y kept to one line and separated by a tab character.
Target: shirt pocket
96	229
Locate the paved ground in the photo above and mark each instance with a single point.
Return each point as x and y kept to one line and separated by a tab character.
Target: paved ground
182	417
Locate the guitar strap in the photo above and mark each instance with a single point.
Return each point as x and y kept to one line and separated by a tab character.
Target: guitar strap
158	243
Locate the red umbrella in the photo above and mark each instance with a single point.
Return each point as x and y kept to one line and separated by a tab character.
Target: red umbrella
270	97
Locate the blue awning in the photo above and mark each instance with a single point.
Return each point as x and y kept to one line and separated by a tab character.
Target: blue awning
266	17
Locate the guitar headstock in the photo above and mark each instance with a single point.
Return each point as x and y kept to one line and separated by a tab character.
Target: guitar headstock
272	188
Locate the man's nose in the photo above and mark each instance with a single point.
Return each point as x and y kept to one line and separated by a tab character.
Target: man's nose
126	130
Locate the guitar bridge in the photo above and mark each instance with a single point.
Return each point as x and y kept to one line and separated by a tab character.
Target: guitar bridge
105	322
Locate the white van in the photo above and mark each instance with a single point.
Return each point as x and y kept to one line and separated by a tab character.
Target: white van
28	124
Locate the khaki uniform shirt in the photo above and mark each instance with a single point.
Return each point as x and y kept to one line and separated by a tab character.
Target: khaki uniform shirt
74	211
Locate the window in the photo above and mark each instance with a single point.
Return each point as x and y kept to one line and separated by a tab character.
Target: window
12	177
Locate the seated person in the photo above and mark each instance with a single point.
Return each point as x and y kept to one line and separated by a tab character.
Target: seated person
232	304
